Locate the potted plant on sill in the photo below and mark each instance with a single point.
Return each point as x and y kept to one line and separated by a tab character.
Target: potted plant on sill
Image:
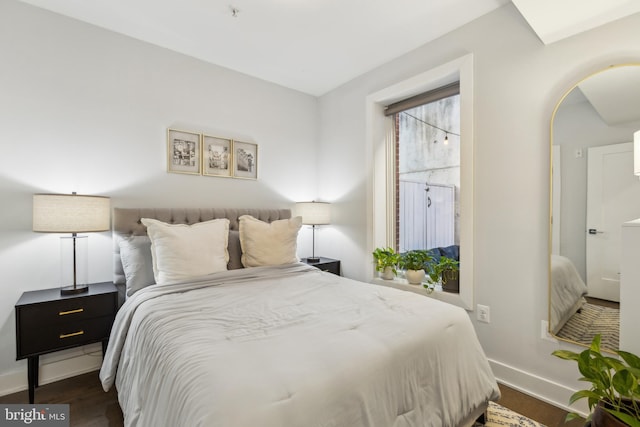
434	275
450	271
387	260
614	396
413	262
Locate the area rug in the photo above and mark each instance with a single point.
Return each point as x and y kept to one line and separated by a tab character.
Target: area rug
592	320
498	415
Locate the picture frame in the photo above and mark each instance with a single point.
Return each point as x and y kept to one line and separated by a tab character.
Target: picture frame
245	160
217	156
184	152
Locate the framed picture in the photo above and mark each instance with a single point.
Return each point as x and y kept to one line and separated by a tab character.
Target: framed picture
217	156
245	160
183	152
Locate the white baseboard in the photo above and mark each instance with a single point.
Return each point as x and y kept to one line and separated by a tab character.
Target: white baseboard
535	386
53	368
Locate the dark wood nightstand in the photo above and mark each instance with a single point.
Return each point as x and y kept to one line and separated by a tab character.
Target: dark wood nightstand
47	321
326	264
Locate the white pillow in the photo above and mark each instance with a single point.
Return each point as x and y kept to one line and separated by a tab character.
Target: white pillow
135	253
181	251
268	244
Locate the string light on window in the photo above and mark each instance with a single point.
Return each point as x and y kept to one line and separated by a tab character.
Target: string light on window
446	132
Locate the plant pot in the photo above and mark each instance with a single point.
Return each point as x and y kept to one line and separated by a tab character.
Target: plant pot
451	281
602	418
387	273
415	277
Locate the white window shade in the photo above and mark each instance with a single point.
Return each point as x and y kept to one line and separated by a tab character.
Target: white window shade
70	213
314	213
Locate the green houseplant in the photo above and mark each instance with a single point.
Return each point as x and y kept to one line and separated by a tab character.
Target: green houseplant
449	269
413	262
435	275
614	395
386	260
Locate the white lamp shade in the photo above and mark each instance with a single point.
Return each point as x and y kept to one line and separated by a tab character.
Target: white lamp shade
314	213
636	153
70	213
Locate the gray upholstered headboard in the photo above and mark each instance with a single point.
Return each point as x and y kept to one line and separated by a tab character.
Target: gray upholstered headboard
126	223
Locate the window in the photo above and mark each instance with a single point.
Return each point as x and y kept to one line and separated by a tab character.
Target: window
380	136
427	170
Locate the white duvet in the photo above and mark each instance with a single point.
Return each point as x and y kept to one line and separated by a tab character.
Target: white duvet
293	346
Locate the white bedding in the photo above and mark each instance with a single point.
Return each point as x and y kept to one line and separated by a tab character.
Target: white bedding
293	346
567	292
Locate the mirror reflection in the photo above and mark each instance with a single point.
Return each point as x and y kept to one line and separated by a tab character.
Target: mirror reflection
593	192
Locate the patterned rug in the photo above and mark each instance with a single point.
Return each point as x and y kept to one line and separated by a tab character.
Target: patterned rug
500	416
592	320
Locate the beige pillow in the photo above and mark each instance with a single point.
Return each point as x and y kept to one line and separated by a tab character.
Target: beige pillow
268	243
181	251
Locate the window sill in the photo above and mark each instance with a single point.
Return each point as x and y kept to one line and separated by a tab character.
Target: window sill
438	293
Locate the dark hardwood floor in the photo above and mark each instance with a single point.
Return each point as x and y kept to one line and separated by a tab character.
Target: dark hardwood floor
542	412
91	406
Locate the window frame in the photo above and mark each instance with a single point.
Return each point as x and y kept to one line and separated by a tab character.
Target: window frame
380	137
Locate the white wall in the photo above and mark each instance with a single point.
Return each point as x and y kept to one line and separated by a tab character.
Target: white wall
517	83
83	109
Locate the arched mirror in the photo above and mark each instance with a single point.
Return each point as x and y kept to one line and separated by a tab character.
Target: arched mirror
593	192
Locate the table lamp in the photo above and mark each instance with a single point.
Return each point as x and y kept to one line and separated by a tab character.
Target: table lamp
313	214
71	213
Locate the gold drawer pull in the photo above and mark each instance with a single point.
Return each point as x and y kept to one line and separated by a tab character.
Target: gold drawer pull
74	334
63	313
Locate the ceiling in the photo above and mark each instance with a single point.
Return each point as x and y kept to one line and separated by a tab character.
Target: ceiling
554	20
314	46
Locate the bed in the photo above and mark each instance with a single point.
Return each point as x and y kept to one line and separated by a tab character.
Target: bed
567	292
283	344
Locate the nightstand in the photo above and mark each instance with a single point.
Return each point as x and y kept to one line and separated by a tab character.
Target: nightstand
47	321
325	264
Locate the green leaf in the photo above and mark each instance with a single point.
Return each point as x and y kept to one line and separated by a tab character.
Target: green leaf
588	366
613	363
566	354
582	394
635	371
631	359
595	343
628	419
623	382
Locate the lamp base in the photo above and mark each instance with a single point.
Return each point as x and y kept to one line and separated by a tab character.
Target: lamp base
312	260
74	289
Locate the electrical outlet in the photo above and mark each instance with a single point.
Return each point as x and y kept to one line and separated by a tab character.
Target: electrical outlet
484	313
